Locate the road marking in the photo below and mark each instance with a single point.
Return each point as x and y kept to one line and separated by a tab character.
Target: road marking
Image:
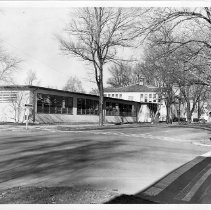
142	135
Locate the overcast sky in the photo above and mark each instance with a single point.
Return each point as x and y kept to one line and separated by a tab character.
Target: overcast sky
29	34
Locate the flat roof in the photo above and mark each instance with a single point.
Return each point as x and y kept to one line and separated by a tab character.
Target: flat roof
132	88
34	88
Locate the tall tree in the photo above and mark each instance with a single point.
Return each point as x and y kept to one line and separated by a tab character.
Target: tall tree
96	34
162	66
73	84
172	66
193	24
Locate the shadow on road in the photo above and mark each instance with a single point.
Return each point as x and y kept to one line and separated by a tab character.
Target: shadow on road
129	199
61	161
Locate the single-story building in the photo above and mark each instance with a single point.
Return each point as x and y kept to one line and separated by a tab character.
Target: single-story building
47	105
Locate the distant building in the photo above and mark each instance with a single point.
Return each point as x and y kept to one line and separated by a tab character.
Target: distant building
141	93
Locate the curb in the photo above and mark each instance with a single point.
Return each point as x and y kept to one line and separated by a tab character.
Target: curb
191	126
63	128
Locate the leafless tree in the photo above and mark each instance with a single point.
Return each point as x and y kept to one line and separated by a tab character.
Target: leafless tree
140	71
17	105
31	78
8	65
183	67
120	75
73	84
94	91
96	34
128	74
192	24
162	66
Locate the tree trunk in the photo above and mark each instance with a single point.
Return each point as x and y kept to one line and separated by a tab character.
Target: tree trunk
188	113
101	99
179	114
168	119
101	109
199	110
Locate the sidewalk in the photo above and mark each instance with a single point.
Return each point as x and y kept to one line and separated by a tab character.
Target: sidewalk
188	184
205	126
71	127
81	127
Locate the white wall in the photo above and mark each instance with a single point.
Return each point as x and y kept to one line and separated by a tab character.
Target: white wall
133	96
13	111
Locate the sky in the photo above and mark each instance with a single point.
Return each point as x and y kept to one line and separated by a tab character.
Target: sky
28	33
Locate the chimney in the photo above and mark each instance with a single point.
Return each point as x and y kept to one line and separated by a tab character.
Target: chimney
142	81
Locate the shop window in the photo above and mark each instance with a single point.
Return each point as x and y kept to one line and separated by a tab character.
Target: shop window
145	97
87	106
141	97
154	97
52	104
111	109
119	109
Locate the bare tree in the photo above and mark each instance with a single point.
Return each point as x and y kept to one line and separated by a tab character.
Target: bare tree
31	78
94	91
141	71
192	24
96	36
17	107
120	75
8	65
74	84
128	74
181	66
162	66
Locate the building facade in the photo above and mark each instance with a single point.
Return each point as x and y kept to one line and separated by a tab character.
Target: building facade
139	93
144	94
57	106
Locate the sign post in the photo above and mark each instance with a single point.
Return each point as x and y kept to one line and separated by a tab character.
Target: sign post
28	106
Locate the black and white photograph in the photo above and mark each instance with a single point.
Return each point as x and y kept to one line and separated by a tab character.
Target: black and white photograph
105	102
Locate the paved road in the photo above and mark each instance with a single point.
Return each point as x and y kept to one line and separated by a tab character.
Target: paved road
121	161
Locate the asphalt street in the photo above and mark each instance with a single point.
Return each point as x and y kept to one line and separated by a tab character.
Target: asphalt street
116	161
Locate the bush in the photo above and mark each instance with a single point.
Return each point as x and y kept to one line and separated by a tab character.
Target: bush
176	119
195	120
